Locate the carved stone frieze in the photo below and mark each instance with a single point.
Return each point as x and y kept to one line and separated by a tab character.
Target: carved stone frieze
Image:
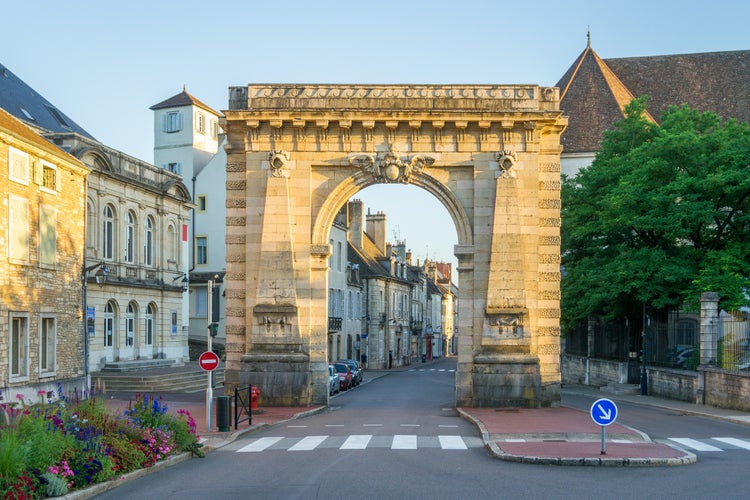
387	167
508	325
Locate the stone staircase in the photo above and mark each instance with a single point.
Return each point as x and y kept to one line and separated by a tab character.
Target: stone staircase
154	376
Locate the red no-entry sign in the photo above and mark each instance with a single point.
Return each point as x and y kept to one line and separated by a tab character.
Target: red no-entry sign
208	361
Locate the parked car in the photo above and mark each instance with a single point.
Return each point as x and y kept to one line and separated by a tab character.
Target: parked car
333	381
356	370
345	375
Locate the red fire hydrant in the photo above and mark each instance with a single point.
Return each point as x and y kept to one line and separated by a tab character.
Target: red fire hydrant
254	395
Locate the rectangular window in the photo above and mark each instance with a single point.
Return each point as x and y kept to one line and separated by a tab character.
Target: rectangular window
214	129
175	168
172	121
18	229
19	346
200	122
47	235
201	250
200	201
18	166
47	177
201	302
47	346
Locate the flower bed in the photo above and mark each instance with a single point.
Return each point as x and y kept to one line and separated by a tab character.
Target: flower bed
59	445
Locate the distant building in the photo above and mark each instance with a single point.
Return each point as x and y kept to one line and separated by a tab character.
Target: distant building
136	216
187	142
42	216
595	91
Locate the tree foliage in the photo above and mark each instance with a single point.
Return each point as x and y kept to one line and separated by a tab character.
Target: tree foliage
660	216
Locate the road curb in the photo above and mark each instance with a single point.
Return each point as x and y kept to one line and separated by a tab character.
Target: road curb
495	451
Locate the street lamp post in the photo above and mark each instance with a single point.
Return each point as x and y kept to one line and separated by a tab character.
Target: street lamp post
101	277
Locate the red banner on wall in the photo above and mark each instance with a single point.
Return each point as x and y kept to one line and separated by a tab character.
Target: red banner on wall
184	232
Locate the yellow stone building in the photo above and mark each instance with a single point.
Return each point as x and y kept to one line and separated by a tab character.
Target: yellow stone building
42	217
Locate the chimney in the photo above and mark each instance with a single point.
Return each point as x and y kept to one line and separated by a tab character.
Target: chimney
375	229
356	224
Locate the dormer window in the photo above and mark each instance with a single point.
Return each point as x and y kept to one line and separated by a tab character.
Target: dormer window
58	116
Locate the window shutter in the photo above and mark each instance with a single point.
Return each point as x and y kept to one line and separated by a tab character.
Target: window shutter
58	180
165	122
38	172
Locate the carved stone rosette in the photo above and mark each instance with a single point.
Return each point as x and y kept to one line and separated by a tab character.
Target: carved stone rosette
278	159
506	160
386	167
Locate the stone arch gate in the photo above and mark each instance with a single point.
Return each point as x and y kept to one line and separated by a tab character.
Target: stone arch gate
490	154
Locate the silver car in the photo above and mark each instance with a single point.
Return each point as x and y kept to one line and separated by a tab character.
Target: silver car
333	381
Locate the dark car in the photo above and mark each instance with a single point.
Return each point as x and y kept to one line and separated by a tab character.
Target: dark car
356	370
345	375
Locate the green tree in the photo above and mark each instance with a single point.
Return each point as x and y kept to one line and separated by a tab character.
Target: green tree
661	215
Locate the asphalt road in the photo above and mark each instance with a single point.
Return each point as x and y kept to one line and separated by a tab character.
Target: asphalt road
398	436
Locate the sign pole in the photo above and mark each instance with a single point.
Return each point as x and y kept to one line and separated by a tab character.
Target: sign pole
604	413
209	389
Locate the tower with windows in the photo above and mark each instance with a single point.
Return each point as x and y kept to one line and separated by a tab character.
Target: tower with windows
187	140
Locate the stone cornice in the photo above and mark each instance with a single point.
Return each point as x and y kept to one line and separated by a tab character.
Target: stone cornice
411	97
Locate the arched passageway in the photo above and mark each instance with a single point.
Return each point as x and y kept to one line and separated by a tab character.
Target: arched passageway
490	154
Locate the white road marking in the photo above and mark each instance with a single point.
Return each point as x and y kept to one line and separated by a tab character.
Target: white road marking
334	425
308	443
260	445
356	442
695	444
452	443
409	425
739	443
403	442
451	426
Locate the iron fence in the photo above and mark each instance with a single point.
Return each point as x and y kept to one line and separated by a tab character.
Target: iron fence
734	341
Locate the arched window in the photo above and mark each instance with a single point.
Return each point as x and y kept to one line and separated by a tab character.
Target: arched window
148	242
109	324
130	237
172	245
130	317
108	233
149	325
90	226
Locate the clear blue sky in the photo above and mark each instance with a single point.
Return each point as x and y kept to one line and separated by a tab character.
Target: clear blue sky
104	63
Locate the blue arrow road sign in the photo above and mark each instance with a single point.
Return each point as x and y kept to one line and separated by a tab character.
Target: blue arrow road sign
603	411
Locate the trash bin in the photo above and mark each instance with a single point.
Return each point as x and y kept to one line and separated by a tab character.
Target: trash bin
223	413
424	358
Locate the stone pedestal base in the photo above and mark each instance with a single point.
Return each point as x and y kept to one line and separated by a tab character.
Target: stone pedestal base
282	377
508	381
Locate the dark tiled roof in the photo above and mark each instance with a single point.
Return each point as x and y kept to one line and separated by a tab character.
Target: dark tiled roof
594	91
16	127
27	105
183	99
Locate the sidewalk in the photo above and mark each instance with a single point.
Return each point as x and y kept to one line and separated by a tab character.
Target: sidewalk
566	436
560	436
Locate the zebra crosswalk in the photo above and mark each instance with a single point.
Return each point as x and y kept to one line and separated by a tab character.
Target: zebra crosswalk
357	442
432	370
713	444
